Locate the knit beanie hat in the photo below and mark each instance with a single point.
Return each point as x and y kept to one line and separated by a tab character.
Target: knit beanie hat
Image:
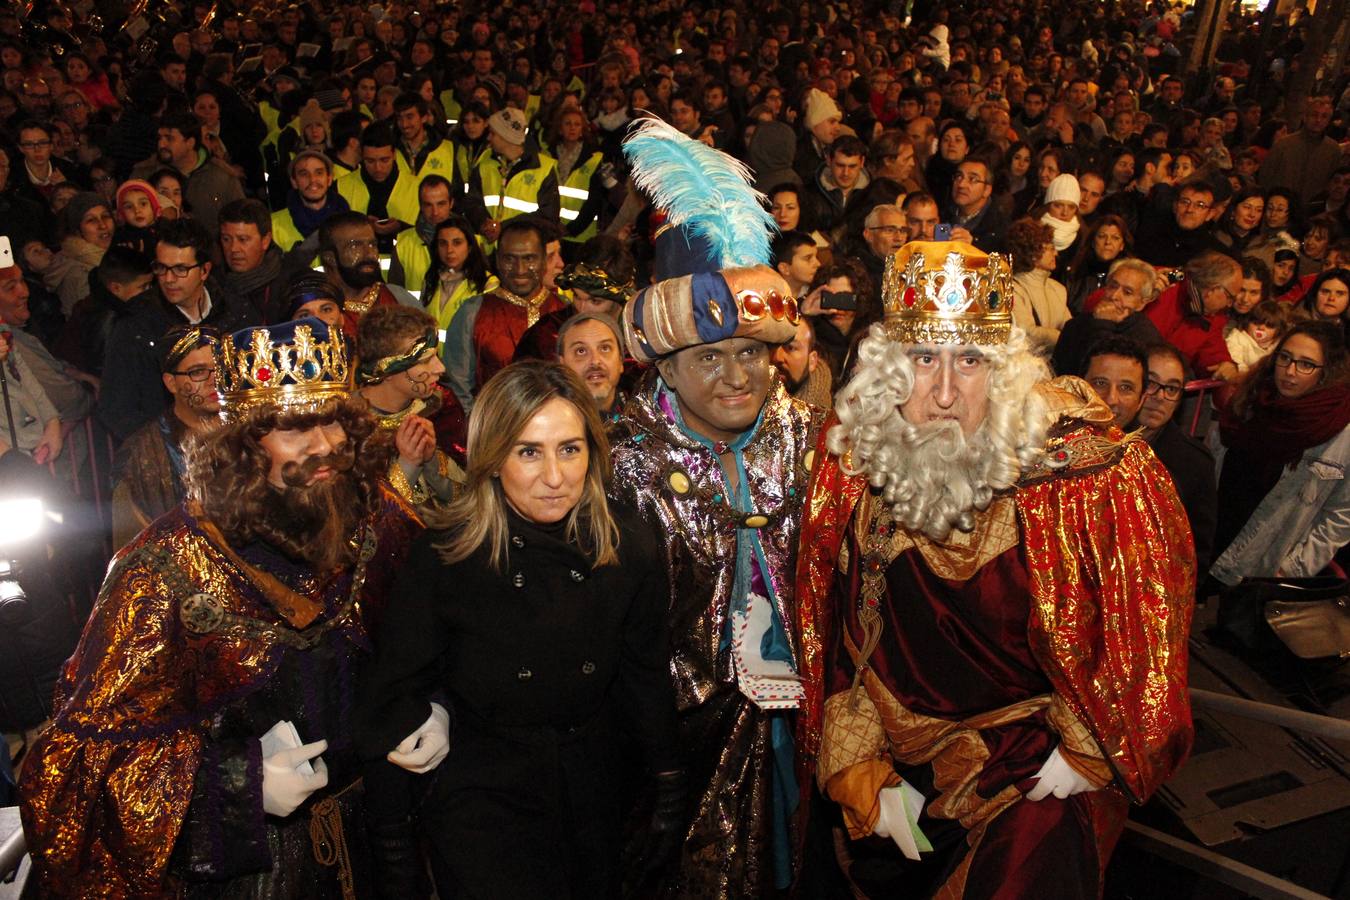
1064	188
77	209
819	107
135	184
509	124
312	114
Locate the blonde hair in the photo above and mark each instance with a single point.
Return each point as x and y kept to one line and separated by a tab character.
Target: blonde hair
505	406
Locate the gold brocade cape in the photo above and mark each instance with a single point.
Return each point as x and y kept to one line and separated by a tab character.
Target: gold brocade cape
182	628
1111	566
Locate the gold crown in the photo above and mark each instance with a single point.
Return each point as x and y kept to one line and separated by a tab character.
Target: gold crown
283	367
947	292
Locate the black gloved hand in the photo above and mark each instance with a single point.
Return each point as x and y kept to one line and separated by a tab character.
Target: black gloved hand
397	854
667	830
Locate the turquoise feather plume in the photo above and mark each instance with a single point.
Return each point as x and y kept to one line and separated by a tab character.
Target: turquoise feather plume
704	189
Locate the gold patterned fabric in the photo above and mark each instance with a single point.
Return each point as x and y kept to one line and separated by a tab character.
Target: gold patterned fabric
1109	568
1112	568
183	628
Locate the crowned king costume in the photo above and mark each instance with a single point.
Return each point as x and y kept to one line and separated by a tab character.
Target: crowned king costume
148	782
1054	620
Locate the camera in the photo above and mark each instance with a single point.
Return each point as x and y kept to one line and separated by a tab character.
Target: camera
843	300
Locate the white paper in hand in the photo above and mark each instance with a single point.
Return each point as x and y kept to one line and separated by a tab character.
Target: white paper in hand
771	684
898	819
283	736
6	254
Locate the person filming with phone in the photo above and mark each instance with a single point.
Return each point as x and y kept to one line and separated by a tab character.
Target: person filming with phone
842	305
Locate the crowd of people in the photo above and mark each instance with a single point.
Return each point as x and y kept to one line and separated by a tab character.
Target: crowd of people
375	241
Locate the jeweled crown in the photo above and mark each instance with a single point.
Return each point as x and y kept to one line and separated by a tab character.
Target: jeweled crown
294	366
947	292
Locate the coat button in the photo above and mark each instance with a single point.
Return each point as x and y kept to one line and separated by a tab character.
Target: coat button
524	675
588	668
518	579
577	576
518	542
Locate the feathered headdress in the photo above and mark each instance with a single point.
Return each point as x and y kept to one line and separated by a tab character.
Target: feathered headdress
704	192
712	255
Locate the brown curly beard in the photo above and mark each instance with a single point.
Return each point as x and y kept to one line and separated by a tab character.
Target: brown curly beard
312	523
316	522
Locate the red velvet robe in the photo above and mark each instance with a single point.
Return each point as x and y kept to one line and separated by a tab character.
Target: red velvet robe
1089	605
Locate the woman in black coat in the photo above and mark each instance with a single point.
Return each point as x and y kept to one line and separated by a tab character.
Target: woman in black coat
534	612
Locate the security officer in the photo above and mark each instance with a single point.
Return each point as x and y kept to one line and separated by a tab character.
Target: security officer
514	178
412	247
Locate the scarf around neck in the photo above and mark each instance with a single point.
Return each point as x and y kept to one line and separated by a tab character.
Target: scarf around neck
245	283
1277	430
307	221
1065	232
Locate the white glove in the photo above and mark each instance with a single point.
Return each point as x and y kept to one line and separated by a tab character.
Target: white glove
284	785
898	819
1059	778
423	750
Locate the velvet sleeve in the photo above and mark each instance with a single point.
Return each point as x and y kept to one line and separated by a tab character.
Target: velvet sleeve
108	784
1112	582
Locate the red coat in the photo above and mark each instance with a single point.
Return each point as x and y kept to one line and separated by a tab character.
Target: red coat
1198	337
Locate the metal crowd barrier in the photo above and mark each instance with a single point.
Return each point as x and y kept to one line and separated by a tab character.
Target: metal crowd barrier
1199	403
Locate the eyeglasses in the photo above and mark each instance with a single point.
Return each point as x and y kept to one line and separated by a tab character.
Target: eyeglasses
1168	391
197	374
1187	203
1283	360
969	179
34	145
179	271
888	230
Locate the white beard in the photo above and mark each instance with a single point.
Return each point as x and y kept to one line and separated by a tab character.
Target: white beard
933	478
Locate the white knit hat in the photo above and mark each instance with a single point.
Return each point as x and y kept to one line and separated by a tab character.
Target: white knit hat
819	107
1064	188
509	123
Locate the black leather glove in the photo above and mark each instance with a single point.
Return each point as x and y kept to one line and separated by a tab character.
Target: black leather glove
397	854
667	830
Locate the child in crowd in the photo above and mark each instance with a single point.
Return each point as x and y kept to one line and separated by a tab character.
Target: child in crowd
1265	324
138	211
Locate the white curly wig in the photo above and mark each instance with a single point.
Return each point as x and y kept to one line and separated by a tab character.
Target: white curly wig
931	475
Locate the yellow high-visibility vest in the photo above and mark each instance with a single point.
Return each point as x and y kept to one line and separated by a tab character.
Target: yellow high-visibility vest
573	194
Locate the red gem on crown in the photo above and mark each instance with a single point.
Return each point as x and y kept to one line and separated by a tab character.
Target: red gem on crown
264	373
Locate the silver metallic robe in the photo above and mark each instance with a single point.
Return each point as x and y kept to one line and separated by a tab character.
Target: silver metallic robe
676	484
